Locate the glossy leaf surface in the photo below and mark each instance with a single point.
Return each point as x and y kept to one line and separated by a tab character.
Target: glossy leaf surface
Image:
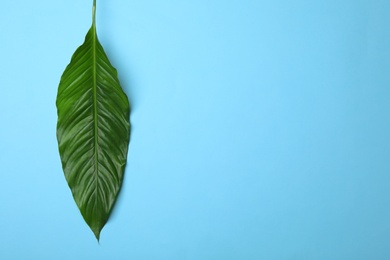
93	130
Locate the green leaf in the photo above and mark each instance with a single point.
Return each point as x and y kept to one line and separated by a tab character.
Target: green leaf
93	130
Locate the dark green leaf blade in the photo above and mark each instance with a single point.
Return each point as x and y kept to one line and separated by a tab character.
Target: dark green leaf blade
93	131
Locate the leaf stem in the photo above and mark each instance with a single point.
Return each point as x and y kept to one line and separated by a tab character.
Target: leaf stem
93	12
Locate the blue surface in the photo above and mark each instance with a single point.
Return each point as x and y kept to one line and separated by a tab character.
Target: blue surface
260	129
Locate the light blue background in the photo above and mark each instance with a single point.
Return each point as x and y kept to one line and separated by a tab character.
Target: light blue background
260	129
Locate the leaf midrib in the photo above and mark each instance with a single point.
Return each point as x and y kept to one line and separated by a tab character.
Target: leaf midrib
95	105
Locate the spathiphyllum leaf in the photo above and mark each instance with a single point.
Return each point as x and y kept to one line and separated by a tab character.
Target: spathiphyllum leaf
93	130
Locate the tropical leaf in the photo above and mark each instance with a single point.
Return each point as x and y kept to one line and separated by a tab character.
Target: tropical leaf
93	130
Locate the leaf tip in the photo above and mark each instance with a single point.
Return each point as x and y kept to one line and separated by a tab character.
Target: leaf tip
97	234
